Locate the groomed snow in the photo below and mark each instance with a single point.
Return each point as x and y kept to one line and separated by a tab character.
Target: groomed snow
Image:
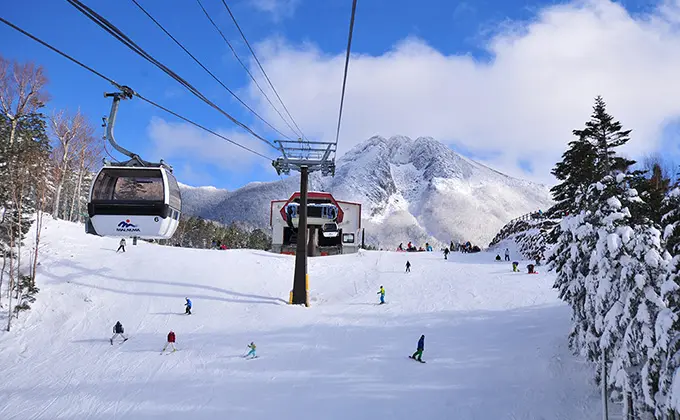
495	341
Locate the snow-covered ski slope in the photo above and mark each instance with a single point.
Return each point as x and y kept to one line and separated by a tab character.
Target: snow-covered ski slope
495	341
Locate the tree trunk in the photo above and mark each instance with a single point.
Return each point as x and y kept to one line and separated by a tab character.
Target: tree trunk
41	192
2	273
19	208
77	193
11	276
60	183
13	130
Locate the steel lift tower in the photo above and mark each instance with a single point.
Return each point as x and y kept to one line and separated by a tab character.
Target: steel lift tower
305	157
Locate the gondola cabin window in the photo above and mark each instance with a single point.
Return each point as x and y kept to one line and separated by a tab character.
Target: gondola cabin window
129	185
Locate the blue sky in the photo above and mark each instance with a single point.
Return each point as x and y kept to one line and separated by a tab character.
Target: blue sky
429	43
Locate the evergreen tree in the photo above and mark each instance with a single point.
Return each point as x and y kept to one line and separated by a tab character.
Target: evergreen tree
623	290
653	189
569	259
577	173
257	239
667	351
670	221
605	134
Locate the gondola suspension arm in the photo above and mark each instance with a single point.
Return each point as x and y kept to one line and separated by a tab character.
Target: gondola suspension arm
135	159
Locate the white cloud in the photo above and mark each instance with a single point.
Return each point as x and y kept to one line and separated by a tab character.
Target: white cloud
525	101
279	9
174	141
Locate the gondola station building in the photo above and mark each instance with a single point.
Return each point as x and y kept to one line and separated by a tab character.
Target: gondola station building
334	225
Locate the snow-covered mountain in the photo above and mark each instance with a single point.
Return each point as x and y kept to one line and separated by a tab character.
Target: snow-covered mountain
411	190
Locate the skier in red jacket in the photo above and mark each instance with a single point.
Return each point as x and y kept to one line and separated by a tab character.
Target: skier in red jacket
171	342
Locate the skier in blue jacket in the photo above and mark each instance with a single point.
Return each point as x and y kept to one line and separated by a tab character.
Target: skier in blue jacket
188	305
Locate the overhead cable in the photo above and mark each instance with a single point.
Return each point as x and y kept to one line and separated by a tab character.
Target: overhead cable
118	34
344	79
205	68
121	87
245	67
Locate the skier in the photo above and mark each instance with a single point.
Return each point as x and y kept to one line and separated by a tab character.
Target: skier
121	245
446	253
515	264
408	267
418	355
382	295
171	342
507	254
118	331
188	306
252	348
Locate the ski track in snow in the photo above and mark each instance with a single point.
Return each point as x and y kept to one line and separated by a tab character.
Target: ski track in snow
495	341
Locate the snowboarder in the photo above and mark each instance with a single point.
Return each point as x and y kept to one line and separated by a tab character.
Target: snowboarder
252	348
408	266
121	245
446	253
171	342
382	295
418	355
118	331
507	254
498	257
530	269
188	306
515	264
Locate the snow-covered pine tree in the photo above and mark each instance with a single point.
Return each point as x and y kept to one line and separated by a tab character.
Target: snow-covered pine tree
667	351
623	289
589	159
569	259
671	221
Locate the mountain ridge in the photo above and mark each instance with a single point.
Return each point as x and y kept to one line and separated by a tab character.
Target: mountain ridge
410	190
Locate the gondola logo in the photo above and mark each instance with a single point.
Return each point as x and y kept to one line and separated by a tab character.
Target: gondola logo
126	226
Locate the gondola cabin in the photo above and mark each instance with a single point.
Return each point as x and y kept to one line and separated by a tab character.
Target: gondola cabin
143	202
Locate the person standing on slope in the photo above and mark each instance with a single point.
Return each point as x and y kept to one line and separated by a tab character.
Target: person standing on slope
408	266
507	254
418	355
446	253
118	331
121	245
382	295
252	348
188	306
171	342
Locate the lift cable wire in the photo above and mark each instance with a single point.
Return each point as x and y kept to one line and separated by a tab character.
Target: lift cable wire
118	34
344	80
121	87
262	68
247	70
206	69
